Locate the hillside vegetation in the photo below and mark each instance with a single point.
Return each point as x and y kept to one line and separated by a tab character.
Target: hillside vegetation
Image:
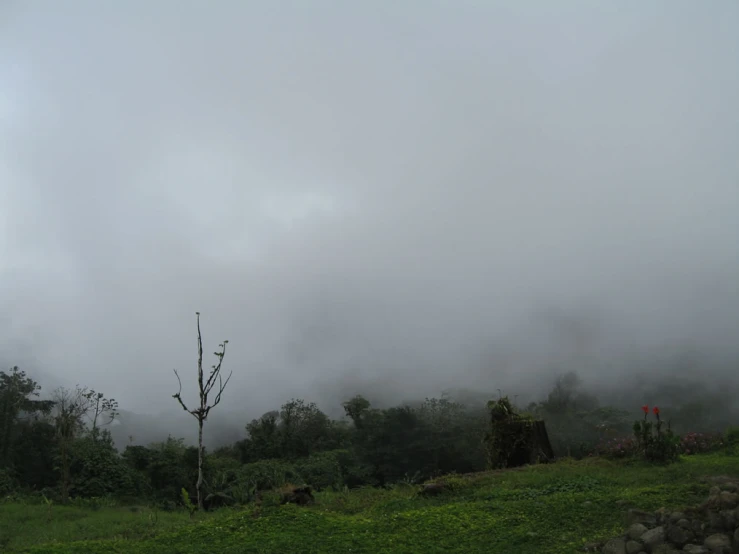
554	508
65	487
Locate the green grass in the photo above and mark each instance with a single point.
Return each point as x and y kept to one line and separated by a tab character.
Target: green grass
541	509
25	525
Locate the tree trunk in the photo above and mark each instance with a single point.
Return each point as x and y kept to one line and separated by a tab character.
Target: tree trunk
199	484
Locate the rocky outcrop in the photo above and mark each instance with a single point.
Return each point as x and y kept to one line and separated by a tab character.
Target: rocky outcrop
710	528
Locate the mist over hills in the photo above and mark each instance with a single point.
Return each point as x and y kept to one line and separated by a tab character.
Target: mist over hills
387	200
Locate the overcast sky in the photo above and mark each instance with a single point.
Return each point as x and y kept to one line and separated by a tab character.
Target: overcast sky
415	195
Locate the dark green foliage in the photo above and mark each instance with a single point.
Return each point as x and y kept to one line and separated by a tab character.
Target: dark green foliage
654	443
8	483
553	509
455	441
379	447
296	431
34	453
138	457
98	470
166	467
325	470
732	435
73	410
401	444
223	460
18	394
355	409
355	472
267	474
394	443
264	440
304	429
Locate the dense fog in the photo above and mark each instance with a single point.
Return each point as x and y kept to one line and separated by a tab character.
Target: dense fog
393	200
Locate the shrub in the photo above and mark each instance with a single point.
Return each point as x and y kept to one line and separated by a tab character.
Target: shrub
696	443
732	436
616	448
8	483
322	470
98	470
660	446
267	474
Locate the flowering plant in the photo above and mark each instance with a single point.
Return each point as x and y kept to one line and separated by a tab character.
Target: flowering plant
657	446
616	448
695	443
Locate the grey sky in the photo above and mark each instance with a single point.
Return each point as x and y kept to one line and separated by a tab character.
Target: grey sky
420	194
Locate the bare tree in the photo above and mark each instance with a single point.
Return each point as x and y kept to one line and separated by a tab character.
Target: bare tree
205	387
100	409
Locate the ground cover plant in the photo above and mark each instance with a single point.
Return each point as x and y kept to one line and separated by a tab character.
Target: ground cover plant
553	508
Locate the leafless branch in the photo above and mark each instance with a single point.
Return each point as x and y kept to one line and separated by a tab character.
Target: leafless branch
216	370
200	356
178	396
207	386
217	400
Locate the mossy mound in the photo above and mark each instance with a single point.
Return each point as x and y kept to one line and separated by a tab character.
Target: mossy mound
515	440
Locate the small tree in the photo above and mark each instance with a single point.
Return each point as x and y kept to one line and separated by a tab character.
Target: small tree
17	397
100	409
205	386
70	407
356	409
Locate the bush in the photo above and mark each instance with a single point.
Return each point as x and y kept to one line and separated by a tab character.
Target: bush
732	436
161	469
8	483
322	470
99	471
697	443
267	474
616	448
335	469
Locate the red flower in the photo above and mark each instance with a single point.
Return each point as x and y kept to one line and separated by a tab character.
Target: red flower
656	410
645	409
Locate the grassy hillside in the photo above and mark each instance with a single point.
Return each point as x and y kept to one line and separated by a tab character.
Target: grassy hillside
541	509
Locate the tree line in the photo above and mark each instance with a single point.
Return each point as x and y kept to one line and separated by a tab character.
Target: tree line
62	447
